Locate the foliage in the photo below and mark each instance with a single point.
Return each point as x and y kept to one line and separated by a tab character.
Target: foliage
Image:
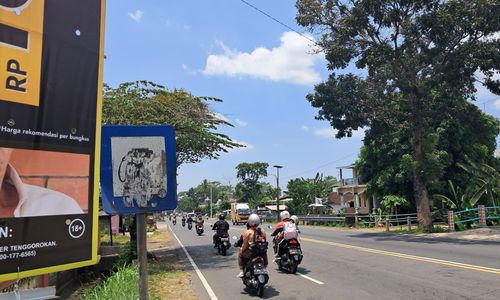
195	196
384	161
250	189
147	103
460	200
392	202
120	285
128	253
485	179
304	191
421	58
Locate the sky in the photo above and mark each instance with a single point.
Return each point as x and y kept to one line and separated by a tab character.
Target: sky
260	68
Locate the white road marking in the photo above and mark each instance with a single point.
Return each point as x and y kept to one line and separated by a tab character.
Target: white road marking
209	290
311	279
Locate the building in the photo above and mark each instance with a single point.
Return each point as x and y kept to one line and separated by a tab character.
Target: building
351	196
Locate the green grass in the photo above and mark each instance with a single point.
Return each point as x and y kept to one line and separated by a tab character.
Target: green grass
120	285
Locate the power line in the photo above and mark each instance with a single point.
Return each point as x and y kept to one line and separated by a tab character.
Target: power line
322	166
278	21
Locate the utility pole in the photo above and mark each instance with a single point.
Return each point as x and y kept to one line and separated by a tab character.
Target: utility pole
278	167
211	201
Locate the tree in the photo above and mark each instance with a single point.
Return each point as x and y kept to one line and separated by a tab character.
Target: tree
420	58
385	159
250	189
304	191
147	103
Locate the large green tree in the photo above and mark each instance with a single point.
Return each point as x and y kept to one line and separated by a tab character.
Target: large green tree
420	58
146	103
460	134
250	188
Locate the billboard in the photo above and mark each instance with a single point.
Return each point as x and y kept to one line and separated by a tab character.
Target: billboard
50	113
138	169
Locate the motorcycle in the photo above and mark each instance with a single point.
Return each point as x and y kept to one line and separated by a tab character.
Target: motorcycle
183	222
223	244
289	255
255	274
199	229
190	226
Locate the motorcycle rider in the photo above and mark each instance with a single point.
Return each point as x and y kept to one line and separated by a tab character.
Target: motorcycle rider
295	220
199	221
189	220
249	237
221	227
278	230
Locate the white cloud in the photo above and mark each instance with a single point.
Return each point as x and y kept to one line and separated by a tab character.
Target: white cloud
329	132
291	61
219	116
184	67
304	127
497	103
241	122
136	15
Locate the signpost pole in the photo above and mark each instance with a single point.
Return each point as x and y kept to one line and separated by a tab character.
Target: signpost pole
142	256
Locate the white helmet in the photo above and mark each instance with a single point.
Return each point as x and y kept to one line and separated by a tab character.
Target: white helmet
253	220
295	219
284	215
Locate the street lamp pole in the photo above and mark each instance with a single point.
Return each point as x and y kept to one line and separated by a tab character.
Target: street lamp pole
278	167
211	200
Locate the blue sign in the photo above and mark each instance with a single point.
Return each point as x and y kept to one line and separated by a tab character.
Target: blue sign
138	169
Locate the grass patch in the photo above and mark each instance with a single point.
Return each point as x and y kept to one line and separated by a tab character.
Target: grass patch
118	239
122	284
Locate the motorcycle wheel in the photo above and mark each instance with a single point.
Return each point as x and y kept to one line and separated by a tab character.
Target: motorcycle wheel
260	290
223	250
293	269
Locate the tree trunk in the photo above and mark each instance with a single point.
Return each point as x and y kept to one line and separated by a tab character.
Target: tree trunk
419	188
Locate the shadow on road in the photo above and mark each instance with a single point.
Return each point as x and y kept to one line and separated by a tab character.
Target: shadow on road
269	292
419	239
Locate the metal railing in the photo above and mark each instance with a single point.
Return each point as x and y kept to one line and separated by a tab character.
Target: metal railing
370	219
480	215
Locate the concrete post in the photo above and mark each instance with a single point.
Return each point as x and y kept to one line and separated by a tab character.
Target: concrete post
356	220
482	215
356	197
408	222
451	221
386	225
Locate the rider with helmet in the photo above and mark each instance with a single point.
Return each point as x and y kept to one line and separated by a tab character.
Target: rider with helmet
278	230
295	220
251	237
221	228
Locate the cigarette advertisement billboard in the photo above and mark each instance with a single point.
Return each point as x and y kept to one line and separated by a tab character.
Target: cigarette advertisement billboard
51	57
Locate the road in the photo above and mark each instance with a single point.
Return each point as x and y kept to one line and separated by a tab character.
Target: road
340	264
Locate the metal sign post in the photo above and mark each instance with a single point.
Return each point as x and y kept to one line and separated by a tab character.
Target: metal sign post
138	177
142	256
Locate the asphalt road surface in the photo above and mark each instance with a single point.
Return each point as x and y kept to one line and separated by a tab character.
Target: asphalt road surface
352	265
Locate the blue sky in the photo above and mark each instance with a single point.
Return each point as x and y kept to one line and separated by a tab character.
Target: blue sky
261	70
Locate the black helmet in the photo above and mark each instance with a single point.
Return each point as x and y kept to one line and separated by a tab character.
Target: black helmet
222	216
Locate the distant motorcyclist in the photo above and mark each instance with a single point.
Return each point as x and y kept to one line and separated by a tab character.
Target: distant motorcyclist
278	230
250	238
221	227
199	221
189	219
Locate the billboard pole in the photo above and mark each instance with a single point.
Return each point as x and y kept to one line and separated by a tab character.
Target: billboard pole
142	256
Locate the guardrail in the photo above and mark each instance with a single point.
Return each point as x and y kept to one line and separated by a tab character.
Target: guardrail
371	220
481	214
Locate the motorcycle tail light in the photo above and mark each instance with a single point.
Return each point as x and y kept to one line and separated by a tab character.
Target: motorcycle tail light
293	242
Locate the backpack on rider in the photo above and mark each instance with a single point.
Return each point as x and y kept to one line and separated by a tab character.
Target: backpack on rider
290	231
259	245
